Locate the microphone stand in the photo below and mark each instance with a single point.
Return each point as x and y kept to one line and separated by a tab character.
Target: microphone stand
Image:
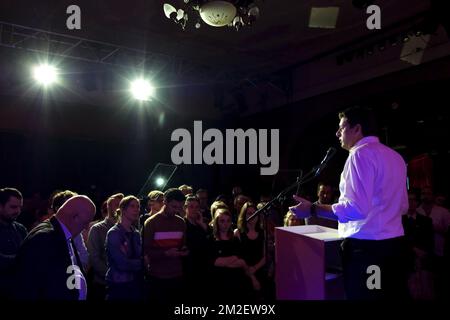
299	178
315	171
265	211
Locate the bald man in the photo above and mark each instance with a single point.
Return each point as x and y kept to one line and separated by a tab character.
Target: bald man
48	267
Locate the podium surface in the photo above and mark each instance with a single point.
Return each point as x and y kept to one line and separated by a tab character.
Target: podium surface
308	263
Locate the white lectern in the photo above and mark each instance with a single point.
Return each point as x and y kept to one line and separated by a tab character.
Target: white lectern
308	263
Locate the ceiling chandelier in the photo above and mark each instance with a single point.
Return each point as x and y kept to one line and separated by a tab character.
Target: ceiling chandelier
231	13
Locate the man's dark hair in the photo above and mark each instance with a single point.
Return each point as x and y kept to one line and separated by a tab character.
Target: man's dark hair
61	197
125	202
174	194
325	184
221	197
364	116
6	193
190	199
201	191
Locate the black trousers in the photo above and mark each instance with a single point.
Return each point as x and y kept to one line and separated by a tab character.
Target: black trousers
127	291
375	269
96	291
165	290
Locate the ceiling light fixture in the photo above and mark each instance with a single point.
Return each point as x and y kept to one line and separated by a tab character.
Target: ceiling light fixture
45	74
215	13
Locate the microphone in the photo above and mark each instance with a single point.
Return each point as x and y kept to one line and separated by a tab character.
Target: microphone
299	178
330	153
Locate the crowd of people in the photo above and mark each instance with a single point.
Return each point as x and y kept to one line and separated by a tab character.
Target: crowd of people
179	247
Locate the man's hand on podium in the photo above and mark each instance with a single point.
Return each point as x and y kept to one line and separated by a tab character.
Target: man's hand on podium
303	209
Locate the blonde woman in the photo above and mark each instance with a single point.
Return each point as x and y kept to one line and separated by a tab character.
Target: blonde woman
231	279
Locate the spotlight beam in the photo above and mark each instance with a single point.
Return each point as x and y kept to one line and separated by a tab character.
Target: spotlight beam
142	90
45	74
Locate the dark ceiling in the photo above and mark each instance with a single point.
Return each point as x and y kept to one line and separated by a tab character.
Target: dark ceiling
278	63
280	38
201	73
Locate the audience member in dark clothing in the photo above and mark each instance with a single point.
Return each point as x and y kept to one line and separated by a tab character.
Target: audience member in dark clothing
57	201
238	202
419	235
251	238
447	264
325	195
202	196
230	273
195	264
47	265
418	228
441	222
97	251
12	234
154	205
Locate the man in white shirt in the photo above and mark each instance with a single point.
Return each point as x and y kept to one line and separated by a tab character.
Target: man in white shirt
369	210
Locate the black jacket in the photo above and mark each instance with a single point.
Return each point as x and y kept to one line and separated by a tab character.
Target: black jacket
419	232
42	265
11	237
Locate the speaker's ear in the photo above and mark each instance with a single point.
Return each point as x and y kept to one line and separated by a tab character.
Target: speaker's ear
358	129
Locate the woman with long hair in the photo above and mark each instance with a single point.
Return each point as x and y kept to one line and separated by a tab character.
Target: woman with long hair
124	251
231	279
251	237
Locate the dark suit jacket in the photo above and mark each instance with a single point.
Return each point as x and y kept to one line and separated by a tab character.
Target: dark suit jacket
419	232
41	265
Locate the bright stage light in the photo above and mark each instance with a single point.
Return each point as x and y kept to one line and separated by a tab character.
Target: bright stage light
142	90
159	181
45	74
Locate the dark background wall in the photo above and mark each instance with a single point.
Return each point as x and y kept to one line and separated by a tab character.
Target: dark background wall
46	145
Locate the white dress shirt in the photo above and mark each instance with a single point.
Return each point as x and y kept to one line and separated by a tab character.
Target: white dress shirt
83	254
82	279
373	192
